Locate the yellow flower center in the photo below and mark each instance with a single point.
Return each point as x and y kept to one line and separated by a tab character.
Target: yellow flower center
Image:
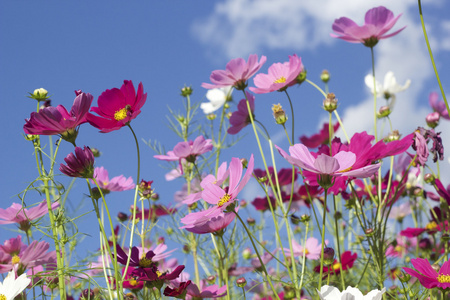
2	297
345	170
336	266
443	278
398	249
145	262
306	251
431	226
15	260
282	79
224	200
120	114
158	273
133	282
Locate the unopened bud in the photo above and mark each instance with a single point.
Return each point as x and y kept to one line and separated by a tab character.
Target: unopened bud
87	294
247	253
243	203
251	221
328	255
330	103
369	231
302	76
186	91
433	119
31	137
429	178
403	277
305	218
393	136
244	162
384	111
193	206
154	196
436	267
325	76
96	152
211	279
211	116
122	216
337	215
279	114
445	237
425	244
39	94
186	249
161	240
295	220
169	230
241	282
228	115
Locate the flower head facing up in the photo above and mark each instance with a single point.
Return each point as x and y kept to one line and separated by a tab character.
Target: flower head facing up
57	120
331	293
378	21
236	73
217	98
16	213
389	88
80	164
12	286
117	107
279	77
116	184
241	118
428	276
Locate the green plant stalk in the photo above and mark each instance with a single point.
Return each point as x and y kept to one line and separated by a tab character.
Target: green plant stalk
374	96
303	259
223	274
292	112
323	238
338	243
431	55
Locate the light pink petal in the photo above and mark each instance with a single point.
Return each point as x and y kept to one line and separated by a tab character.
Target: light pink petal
326	164
345	159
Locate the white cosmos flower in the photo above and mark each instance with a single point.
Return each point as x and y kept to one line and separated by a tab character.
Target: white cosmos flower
331	293
390	86
217	98
11	287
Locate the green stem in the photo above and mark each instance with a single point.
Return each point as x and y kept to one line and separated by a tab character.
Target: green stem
323	238
338	243
374	96
292	111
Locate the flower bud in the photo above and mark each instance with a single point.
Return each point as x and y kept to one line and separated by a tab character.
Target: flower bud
403	277
243	203
425	244
193	206
433	119
186	91
241	282
31	137
96	152
39	94
393	136
251	221
228	115
154	196
279	114
161	240
295	220
328	255
305	218
169	230
247	253
337	215
211	279
445	237
436	267
186	249
369	231
122	216
330	103
87	294
211	116
429	178
244	162
383	112
325	76
301	77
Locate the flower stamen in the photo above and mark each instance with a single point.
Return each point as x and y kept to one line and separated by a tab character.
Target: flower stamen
442	278
224	200
282	79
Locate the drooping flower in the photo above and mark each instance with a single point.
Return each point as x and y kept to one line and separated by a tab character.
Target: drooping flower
117	107
79	165
422	136
280	76
236	74
220	197
378	21
187	150
331	293
116	184
12	286
389	88
438	105
57	120
320	138
428	276
241	118
16	213
217	98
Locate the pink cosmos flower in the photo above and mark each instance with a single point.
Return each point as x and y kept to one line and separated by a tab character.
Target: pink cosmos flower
312	248
117	107
236	74
240	118
154	212
340	164
438	105
116	184
56	120
402	247
378	21
79	165
16	213
347	260
220	197
428	276
205	291
212	225
280	76
187	150
320	138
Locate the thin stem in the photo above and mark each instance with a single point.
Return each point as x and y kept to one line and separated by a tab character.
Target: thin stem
292	111
374	96
338	243
323	238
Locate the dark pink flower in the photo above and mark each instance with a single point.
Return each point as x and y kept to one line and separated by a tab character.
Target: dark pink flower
241	118
56	120
117	107
279	77
205	291
262	203
347	260
320	138
284	176
438	105
79	165
154	212
177	292
378	21
116	184
136	259
428	276
16	213
236	74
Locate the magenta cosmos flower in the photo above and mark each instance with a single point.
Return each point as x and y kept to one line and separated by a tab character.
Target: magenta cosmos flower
428	276
116	184
220	197
56	120
16	213
79	165
280	76
241	118
378	21
236	74
340	164
117	107
320	138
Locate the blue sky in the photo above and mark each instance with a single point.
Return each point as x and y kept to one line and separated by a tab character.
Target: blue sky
94	46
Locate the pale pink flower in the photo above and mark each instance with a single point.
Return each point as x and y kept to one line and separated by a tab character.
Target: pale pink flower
403	247
241	118
16	213
116	184
279	77
236	74
312	248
